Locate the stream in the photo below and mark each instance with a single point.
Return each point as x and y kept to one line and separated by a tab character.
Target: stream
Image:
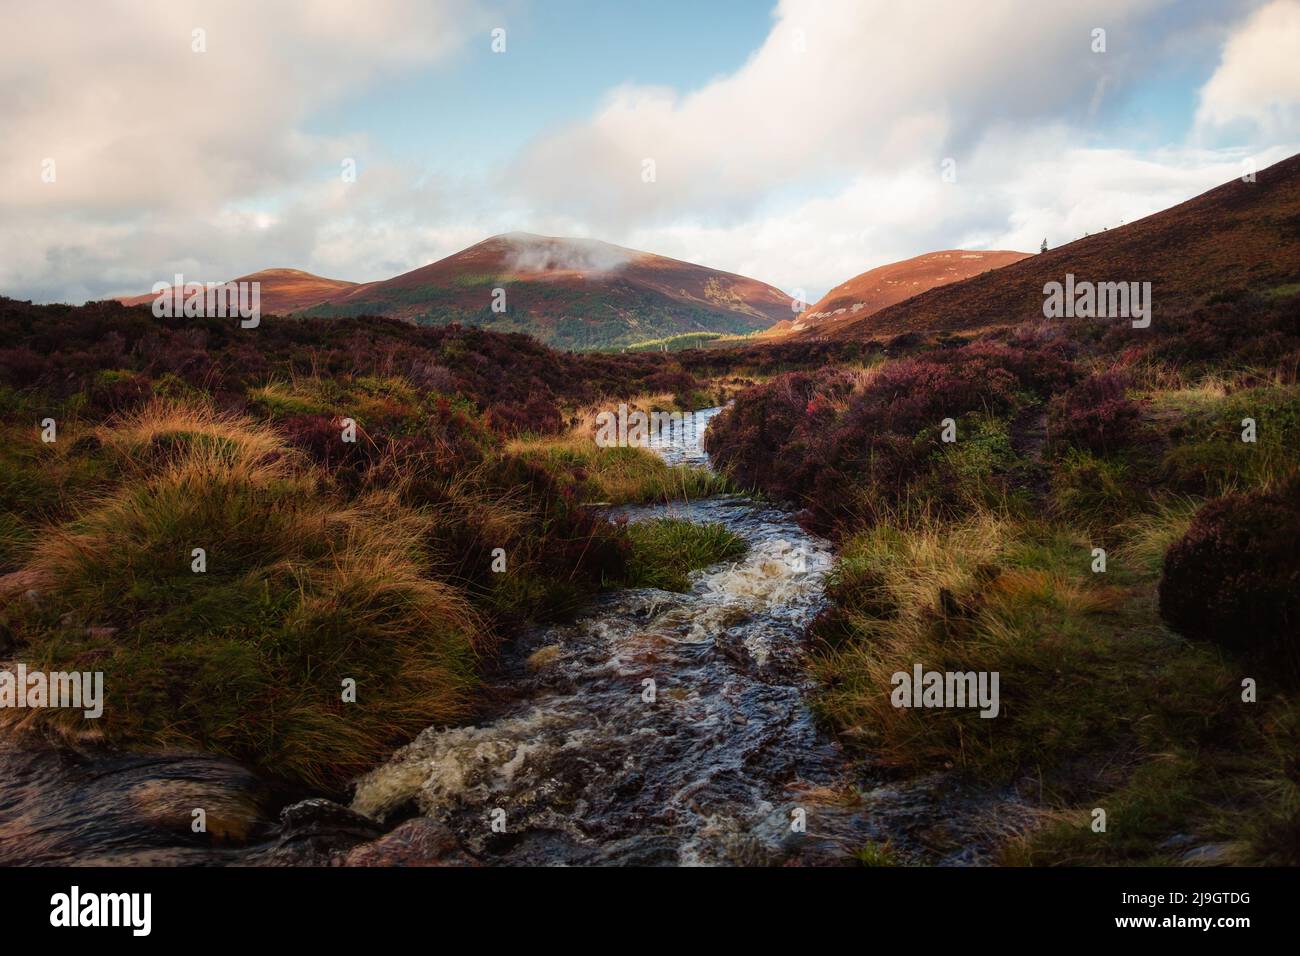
659	728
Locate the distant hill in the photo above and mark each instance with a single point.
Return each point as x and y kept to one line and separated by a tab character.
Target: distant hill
1239	235
569	293
282	290
878	288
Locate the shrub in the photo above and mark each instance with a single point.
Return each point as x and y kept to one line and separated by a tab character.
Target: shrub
851	450
116	391
1234	578
1095	415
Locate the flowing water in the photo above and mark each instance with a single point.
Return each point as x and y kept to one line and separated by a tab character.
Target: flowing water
659	728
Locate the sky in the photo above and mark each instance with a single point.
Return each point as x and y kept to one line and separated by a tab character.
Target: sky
800	142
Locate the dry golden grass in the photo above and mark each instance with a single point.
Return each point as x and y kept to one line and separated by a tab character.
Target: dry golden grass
166	429
302	590
616	476
585	422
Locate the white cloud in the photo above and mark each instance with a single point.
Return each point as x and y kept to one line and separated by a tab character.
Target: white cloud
807	166
838	87
158	148
818	158
1256	88
1059	191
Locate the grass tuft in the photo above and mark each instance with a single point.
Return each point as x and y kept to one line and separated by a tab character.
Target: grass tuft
666	550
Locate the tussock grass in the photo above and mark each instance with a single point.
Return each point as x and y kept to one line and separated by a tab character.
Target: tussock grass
1208	455
1101	705
299	397
1147	537
584	420
166	430
1096	491
666	550
1078	655
616	476
301	592
42	483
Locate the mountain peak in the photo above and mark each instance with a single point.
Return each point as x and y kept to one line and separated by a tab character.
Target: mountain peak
571	292
886	285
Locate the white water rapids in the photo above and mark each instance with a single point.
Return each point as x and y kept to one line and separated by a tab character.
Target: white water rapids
712	767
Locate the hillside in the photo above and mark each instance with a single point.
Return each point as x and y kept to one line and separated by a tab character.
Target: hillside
879	288
283	290
569	293
1236	236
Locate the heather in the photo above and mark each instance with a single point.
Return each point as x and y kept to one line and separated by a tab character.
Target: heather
847	444
104	356
1072	507
298	546
1098	533
1233	579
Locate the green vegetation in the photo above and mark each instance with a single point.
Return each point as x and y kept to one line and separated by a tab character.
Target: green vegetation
563	316
1206	452
321	562
1102	704
666	550
247	656
979	556
1284	291
686	340
876	854
617	476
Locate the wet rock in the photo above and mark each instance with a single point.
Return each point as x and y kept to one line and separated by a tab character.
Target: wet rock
314	831
318	816
229	815
543	657
417	842
91	806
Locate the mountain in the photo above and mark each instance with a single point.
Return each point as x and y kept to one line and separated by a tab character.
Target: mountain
282	291
569	293
884	286
1241	235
